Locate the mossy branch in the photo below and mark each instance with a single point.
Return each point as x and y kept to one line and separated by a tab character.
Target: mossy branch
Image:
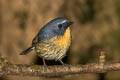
56	70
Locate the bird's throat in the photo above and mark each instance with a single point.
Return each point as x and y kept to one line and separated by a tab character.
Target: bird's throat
64	40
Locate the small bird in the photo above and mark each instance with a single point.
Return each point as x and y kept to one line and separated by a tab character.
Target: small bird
52	41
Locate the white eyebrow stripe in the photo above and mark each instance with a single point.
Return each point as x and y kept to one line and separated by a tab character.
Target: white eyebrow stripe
64	21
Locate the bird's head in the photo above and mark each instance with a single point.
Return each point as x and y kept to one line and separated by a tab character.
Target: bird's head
56	27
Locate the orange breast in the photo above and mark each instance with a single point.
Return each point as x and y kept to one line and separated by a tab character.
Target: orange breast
65	40
54	48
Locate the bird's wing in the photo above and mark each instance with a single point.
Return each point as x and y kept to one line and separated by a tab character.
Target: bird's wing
39	37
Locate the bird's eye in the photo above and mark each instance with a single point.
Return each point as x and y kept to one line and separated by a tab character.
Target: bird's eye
60	26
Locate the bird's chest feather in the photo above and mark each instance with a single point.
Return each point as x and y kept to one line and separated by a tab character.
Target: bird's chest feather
56	47
65	40
58	41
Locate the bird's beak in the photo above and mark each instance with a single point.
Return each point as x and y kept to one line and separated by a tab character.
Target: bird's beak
70	23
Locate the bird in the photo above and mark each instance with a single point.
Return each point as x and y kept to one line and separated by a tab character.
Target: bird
52	41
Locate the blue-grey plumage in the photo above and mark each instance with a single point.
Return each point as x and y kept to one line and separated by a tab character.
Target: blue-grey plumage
53	40
53	28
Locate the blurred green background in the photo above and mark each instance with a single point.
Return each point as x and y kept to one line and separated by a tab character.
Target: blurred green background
96	27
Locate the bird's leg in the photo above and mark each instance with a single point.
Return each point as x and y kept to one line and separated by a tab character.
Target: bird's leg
61	62
44	62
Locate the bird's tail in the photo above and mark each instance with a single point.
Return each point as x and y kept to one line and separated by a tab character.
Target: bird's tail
27	50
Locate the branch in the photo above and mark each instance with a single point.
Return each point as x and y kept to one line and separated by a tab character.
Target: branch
56	70
49	71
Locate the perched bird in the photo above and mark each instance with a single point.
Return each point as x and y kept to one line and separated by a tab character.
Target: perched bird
52	41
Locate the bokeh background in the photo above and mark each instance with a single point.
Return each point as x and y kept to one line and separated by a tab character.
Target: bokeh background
96	27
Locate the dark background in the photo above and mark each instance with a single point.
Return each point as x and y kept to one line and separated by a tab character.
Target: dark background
96	27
